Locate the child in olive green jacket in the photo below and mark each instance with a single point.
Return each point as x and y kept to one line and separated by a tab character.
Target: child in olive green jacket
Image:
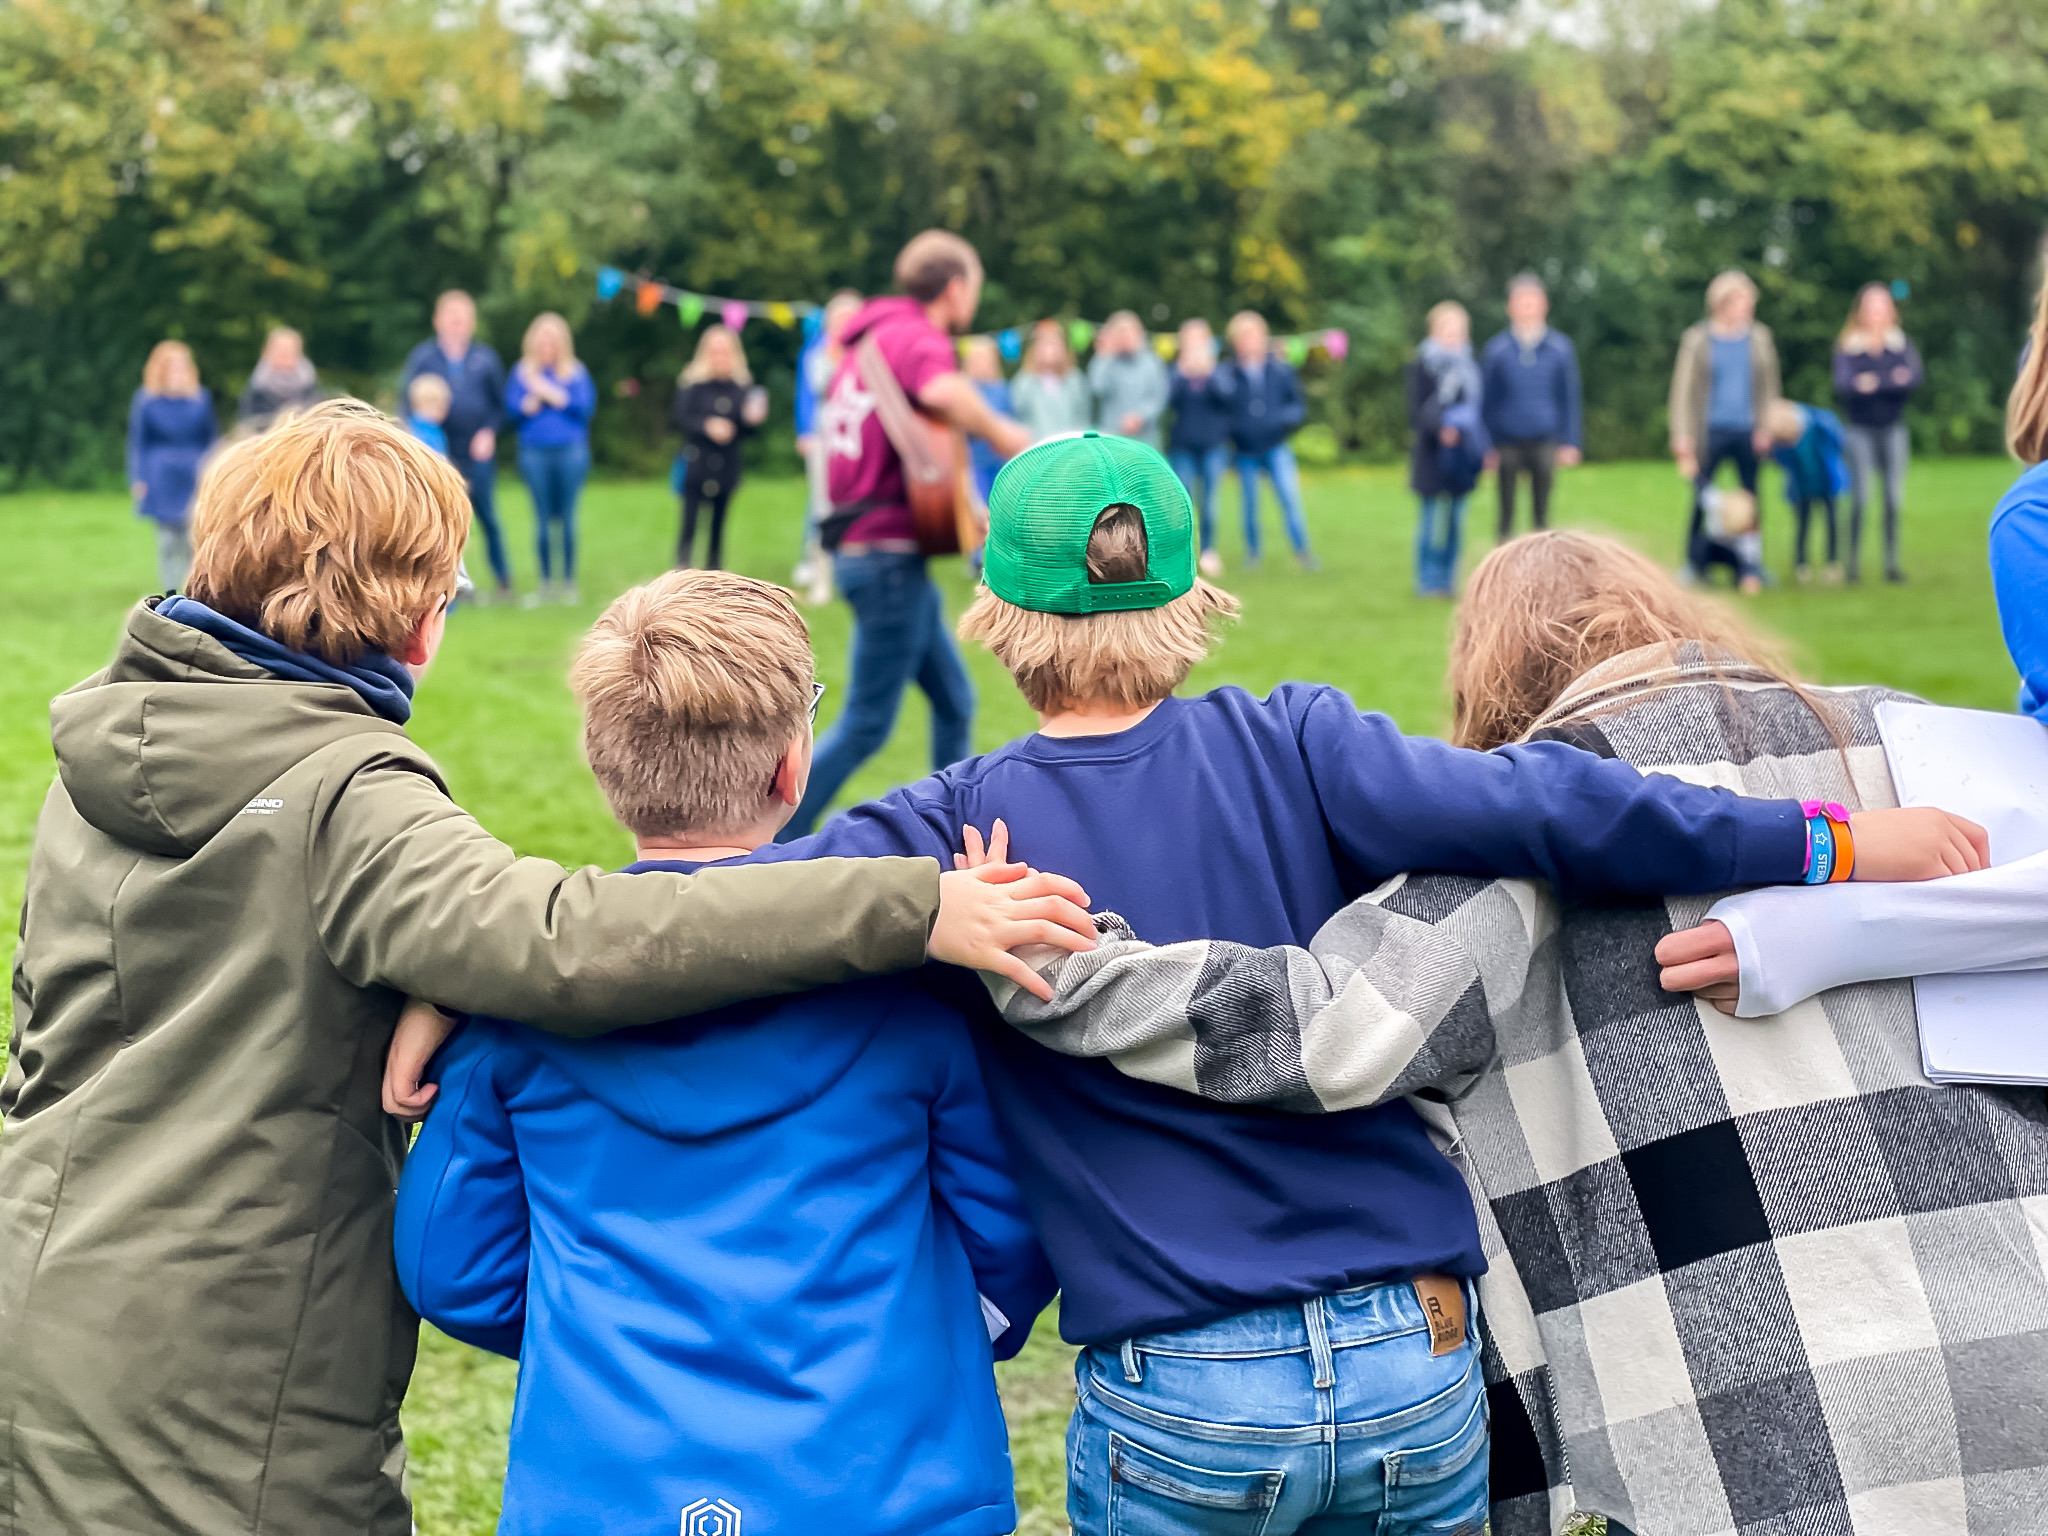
242	869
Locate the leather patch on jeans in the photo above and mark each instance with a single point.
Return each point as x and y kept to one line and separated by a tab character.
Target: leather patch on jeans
1443	1307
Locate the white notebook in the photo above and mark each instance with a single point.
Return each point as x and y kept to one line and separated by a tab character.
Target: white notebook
1977	1027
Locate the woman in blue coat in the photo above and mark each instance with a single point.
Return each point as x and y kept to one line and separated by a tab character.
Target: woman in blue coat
170	428
551	397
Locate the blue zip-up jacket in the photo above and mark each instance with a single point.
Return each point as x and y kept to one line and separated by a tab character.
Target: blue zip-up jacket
168	436
812	380
1201	418
1234	817
1813	466
737	1258
476	388
1532	395
553	426
2019	577
1265	412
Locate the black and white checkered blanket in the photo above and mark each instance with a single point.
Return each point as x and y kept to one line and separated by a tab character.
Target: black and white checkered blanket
1753	1276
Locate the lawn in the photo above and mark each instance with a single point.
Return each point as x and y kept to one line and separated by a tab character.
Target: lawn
497	716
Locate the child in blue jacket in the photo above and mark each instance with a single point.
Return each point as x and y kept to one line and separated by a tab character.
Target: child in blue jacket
1808	447
1239	1279
737	1256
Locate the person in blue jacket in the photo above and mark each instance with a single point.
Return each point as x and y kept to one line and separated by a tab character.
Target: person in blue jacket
552	398
1446	405
1262	393
1198	442
476	410
756	1265
1207	1255
171	426
1807	443
1530	376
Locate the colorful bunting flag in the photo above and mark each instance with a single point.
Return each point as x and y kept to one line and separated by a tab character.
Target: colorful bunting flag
1010	343
782	315
691	307
1165	344
648	299
1296	348
1337	344
609	281
1080	333
733	313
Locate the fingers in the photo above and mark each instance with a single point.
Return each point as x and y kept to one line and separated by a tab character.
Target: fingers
1055	910
1054	935
409	1107
1978	839
1688	944
1698	974
1007	964
999	842
1045	883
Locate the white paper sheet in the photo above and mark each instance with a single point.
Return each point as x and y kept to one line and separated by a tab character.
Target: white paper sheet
1977	1027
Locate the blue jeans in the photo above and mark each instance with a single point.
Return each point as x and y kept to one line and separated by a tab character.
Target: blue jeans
1328	1416
481	476
1202	473
1280	468
899	637
554	478
1436	544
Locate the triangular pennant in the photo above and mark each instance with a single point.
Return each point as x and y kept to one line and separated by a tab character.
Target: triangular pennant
609	281
691	307
649	298
734	313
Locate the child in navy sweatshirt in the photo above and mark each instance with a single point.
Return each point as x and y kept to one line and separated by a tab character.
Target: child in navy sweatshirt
1241	1279
737	1255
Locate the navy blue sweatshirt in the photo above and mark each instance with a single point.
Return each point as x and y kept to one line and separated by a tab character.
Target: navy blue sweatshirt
1232	817
476	388
1264	409
1201	418
1532	394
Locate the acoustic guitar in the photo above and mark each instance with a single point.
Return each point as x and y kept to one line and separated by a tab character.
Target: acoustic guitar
934	456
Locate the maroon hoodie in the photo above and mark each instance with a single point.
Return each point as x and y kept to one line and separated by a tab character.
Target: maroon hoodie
862	466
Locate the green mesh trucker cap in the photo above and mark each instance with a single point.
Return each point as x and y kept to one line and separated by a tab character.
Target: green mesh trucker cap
1043	507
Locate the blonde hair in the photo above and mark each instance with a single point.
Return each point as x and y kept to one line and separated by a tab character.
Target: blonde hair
1852	328
1445	309
1732	281
2026	408
1057	332
693	687
161	356
699	368
1130	658
334	533
542	324
1239	321
1542	610
428	387
1784	420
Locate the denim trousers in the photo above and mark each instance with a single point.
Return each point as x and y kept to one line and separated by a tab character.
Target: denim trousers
481	476
554	479
1327	1417
1202	472
1278	466
1437	533
1876	453
899	637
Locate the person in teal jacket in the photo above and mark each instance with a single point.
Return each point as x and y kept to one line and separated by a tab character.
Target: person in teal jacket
1807	443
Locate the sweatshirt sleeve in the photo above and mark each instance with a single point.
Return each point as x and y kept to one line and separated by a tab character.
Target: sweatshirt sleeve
409	892
971	1178
1381	1003
1590	825
2019	556
136	431
582	392
1291	410
1794	943
461	1229
916	821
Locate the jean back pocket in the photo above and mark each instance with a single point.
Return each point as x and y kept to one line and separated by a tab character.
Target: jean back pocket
1154	1495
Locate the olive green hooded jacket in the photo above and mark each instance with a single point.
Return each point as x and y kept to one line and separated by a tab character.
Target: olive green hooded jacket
235	882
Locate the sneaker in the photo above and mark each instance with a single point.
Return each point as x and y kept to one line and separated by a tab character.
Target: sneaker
569	595
1308	561
1803	574
819	589
1831	574
1896	577
1252	562
1211	564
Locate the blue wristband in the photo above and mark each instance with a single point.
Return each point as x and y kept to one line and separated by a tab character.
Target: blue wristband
1820	850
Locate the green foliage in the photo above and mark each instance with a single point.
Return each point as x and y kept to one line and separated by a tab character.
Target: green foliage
204	168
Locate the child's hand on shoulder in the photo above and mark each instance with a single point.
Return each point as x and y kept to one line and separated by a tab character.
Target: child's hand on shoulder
422	1029
1916	843
989	907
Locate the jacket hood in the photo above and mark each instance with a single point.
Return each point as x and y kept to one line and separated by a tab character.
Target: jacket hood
695	1078
877	312
167	745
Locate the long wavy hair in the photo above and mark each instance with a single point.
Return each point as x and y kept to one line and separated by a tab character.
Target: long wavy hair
2026	408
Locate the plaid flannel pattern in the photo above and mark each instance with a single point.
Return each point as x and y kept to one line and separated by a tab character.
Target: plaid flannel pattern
1752	1276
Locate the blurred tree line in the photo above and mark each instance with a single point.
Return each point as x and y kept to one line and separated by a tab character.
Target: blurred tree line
206	168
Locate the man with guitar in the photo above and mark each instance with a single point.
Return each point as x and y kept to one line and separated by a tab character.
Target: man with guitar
895	422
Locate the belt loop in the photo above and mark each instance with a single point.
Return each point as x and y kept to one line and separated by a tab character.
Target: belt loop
1319	1343
1133	1371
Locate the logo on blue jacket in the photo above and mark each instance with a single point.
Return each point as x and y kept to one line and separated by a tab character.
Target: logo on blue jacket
710	1517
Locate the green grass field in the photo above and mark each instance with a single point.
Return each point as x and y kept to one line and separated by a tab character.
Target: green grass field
497	716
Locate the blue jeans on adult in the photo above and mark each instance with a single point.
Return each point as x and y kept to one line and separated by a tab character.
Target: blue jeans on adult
481	476
1436	544
1202	471
554	478
899	637
1279	467
1327	1416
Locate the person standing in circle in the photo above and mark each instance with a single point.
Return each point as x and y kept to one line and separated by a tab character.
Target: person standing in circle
1263	394
1722	389
283	380
1531	378
1198	443
716	405
170	427
552	398
476	409
1050	394
1127	380
815	366
1445	402
1876	371
899	622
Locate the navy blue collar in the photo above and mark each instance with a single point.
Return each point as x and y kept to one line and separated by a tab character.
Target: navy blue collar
384	684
